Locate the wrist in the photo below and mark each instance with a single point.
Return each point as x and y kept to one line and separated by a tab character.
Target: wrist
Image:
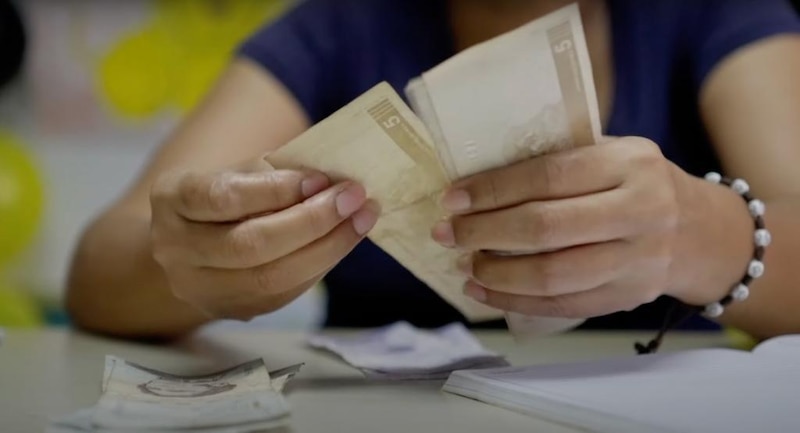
714	243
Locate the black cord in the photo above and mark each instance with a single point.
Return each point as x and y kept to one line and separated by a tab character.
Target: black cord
670	321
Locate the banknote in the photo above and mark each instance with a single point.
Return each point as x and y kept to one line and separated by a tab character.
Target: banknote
523	94
403	352
378	141
241	399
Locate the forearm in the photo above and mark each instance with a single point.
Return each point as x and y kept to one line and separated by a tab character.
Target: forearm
773	307
116	288
721	248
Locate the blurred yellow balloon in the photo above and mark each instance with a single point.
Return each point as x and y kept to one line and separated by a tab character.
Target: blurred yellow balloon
21	198
175	58
191	90
18	309
135	75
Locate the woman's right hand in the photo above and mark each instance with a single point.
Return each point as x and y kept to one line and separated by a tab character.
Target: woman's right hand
247	241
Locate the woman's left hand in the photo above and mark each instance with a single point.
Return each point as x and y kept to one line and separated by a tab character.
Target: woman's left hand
605	223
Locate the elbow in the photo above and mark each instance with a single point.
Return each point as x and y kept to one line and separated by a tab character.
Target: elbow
94	307
82	301
90	301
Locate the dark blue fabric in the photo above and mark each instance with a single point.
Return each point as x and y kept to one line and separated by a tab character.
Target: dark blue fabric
327	52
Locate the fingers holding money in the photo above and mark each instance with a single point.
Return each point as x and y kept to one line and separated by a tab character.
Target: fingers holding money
234	195
582	305
595	236
543	226
565	174
248	240
263	239
245	293
576	283
555	273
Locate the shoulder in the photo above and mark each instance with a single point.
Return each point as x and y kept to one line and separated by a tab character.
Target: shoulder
720	28
706	31
694	37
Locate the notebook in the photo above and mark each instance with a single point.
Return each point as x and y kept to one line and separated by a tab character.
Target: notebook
708	390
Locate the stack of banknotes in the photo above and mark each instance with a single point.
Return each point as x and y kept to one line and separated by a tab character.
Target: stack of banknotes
517	96
242	399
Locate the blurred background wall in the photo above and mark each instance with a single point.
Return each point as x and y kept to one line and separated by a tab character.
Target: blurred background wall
102	84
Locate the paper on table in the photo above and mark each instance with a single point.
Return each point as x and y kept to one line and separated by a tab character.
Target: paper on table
135	398
82	422
536	95
695	391
401	351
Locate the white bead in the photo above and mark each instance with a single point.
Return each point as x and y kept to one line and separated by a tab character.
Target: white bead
755	269
740	186
756	207
714	310
714	177
740	293
762	237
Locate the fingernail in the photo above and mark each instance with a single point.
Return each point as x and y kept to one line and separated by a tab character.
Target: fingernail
351	199
443	233
456	201
464	264
314	184
475	292
365	219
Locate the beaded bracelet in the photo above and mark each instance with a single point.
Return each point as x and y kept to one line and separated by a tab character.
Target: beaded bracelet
755	269
761	239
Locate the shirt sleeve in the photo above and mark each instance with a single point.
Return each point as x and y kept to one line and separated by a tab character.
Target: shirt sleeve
300	50
720	27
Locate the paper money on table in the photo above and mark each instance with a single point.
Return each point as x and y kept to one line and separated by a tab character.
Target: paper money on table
402	352
520	95
245	398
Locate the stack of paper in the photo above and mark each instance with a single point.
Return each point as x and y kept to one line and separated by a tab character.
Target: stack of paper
713	390
246	398
402	352
522	94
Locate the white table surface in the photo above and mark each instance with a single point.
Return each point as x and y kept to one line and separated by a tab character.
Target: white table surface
49	373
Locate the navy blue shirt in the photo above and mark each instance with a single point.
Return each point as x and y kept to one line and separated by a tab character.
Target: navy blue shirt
328	52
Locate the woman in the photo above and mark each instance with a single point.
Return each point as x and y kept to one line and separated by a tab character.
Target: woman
210	231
